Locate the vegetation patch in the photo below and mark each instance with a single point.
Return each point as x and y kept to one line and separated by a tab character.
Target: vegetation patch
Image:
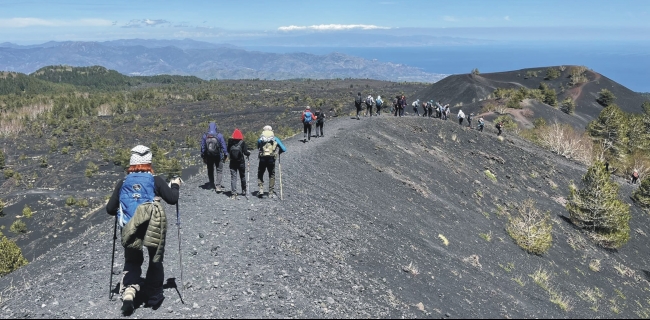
11	257
531	228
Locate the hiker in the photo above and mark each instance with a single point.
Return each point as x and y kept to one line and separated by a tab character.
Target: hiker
269	147
396	104
469	120
481	124
430	106
357	103
142	225
214	154
402	105
499	126
415	107
237	150
635	176
461	117
425	109
320	120
307	119
378	104
439	110
369	102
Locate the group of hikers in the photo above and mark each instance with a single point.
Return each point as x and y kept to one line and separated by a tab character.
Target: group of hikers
135	203
429	108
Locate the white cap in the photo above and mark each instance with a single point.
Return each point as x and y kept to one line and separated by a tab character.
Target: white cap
267	128
140	155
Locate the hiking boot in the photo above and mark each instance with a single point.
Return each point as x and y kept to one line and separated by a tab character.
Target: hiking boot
218	189
233	197
127	301
273	195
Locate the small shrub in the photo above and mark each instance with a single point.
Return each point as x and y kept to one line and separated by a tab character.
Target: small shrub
475	71
605	97
8	173
568	106
18	227
531	229
642	194
43	162
552	73
65	150
70	201
490	175
91	169
27	212
2	159
82	203
597	208
2	207
11	257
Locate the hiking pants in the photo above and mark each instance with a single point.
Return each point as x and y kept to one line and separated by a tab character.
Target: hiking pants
369	110
401	111
133	259
241	169
415	111
378	109
319	125
469	123
460	121
499	133
480	128
396	111
307	130
266	165
212	163
358	111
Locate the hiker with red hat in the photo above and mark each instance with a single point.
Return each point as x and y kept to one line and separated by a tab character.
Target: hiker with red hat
237	150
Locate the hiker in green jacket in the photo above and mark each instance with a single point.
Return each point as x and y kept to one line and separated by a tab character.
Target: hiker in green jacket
136	202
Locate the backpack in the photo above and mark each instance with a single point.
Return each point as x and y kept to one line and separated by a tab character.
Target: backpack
212	145
357	101
320	117
378	102
307	117
267	149
235	151
369	101
137	188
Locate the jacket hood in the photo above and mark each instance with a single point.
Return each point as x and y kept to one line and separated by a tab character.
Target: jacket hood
212	127
237	135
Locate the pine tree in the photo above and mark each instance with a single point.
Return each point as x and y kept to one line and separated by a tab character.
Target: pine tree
597	208
642	195
11	257
611	127
605	97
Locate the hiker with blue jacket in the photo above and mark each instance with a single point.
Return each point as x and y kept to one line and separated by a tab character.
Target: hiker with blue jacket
237	150
378	104
270	147
214	153
136	202
307	119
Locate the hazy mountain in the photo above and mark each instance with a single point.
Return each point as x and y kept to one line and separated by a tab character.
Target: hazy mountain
202	59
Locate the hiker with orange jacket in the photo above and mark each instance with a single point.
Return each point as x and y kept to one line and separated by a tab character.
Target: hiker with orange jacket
237	150
307	119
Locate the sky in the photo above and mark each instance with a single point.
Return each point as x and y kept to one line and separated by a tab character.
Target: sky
38	21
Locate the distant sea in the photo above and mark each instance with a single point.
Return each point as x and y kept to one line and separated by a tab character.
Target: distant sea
625	63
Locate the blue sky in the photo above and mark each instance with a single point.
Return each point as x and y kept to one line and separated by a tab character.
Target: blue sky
27	22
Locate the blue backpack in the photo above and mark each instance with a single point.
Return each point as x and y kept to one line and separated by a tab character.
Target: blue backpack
308	117
138	188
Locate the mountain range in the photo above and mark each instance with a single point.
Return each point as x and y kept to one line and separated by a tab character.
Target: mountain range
202	59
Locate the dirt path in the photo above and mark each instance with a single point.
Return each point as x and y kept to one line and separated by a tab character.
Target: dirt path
576	92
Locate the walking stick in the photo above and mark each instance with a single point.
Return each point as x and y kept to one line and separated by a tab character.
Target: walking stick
280	167
180	256
248	176
110	286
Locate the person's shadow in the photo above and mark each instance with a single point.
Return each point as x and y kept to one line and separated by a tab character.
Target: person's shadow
207	186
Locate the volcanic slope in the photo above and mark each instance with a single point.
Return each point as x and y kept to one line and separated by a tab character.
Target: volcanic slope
383	217
470	92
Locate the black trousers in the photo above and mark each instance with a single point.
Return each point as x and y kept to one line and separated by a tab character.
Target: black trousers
378	109
261	169
133	260
212	163
241	170
369	110
307	130
319	126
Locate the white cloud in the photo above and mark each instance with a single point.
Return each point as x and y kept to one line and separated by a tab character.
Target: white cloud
328	27
137	23
37	22
449	19
507	18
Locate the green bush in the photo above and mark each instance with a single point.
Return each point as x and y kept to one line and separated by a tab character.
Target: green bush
43	162
508	122
70	201
531	229
27	212
82	203
490	175
642	195
18	227
11	257
2	159
568	106
8	173
605	97
552	73
612	128
91	169
597	208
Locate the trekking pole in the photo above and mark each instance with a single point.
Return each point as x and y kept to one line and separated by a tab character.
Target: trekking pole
180	256
248	176
110	286
280	167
